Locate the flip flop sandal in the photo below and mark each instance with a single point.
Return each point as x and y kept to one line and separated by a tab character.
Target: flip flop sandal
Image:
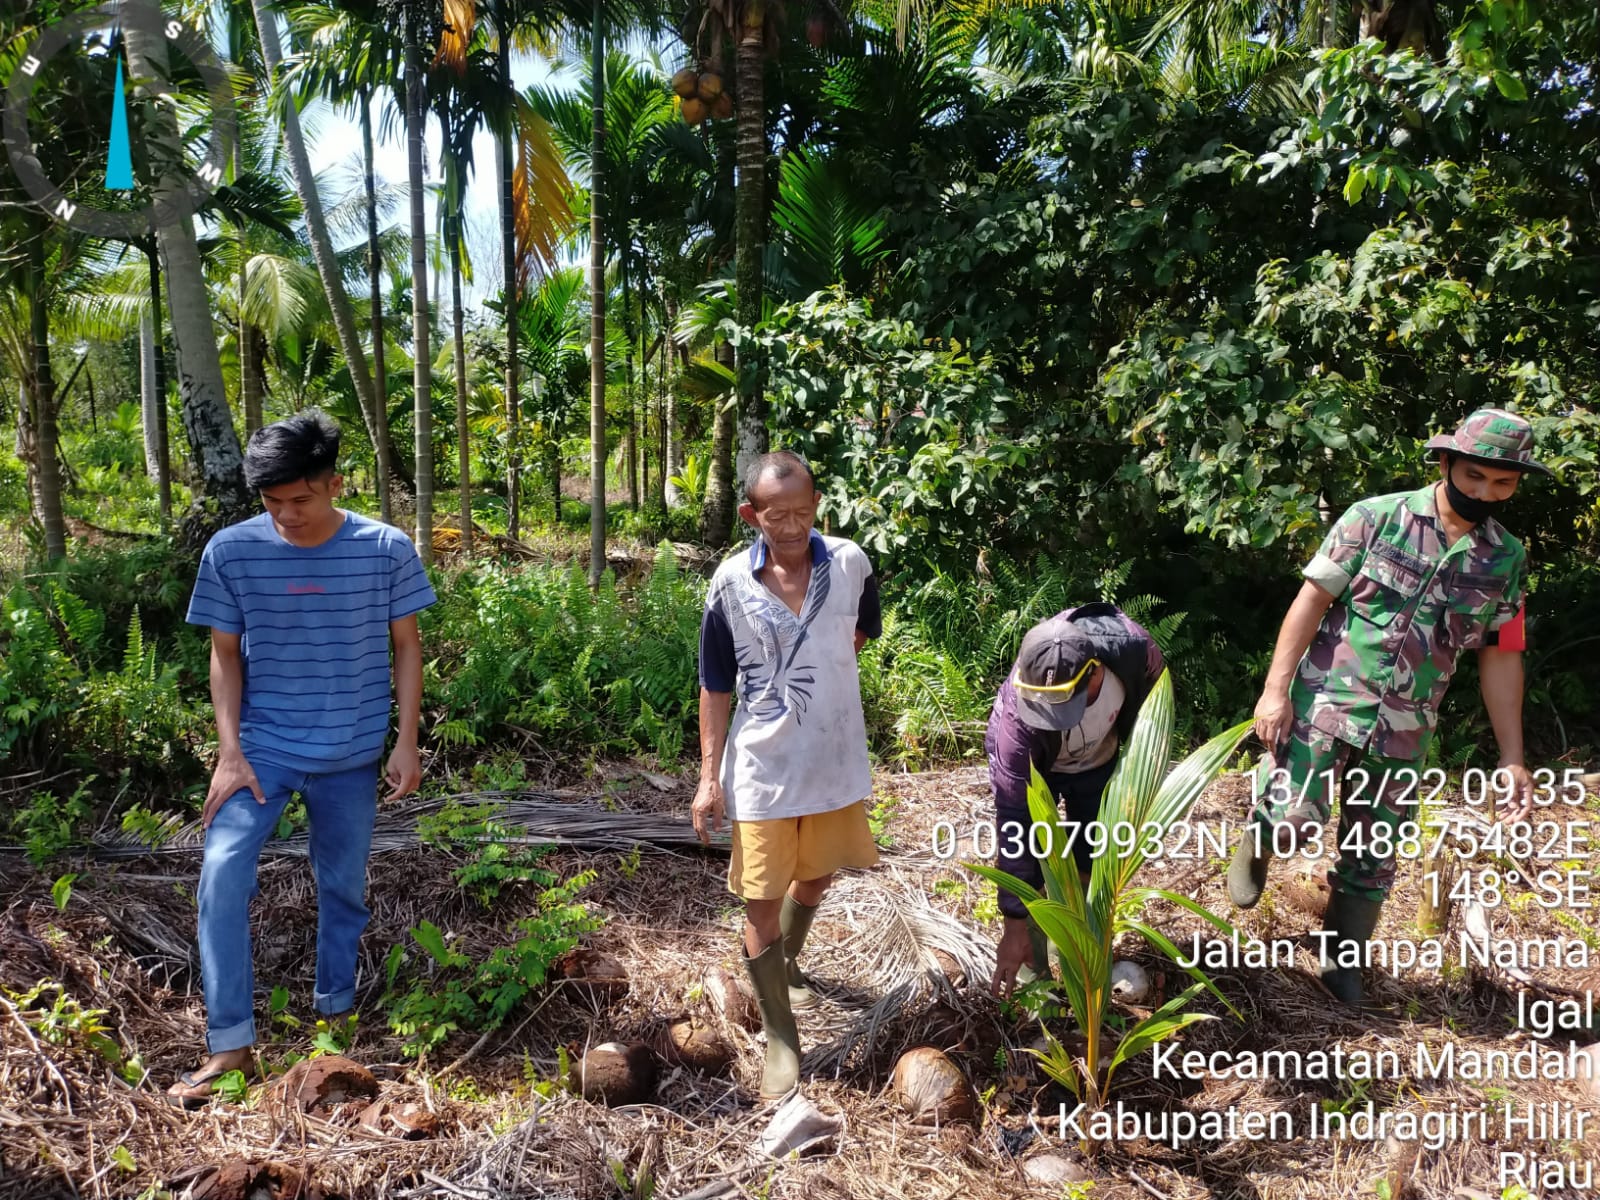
190	1080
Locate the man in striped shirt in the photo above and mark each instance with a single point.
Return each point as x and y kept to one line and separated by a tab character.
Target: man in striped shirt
304	603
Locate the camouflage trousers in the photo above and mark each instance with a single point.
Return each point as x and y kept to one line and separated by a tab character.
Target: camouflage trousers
1294	787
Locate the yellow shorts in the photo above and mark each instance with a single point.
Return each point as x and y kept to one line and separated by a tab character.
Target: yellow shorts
770	855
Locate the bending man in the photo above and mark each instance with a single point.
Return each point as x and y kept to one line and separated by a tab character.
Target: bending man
1067	707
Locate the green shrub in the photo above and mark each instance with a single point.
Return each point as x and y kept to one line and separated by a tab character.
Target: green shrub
535	649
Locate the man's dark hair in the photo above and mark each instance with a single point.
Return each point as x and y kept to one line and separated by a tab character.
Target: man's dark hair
780	464
304	446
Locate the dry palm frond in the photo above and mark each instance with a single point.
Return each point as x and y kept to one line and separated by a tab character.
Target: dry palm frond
540	196
892	955
459	18
543	818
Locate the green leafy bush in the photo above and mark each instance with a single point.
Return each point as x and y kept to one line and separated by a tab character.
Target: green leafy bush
453	991
535	649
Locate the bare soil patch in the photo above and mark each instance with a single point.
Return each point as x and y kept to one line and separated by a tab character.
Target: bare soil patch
900	954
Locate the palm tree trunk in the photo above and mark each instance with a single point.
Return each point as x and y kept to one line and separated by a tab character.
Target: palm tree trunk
597	309
203	399
663	448
669	406
716	517
750	219
344	320
459	333
421	375
249	393
384	446
630	442
508	258
158	398
147	393
46	464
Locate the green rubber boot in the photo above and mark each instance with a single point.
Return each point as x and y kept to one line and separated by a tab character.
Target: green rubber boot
1247	873
795	921
1351	920
771	980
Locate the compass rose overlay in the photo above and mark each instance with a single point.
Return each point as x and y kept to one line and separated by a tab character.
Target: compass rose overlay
178	197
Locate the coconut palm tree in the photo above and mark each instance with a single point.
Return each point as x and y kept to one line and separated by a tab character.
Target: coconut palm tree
207	420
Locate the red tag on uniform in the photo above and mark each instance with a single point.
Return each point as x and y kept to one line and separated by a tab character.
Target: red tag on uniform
1514	633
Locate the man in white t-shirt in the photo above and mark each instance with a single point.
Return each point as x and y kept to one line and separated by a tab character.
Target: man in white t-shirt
784	621
1067	707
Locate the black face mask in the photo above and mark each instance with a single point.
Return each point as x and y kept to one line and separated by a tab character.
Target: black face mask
1467	507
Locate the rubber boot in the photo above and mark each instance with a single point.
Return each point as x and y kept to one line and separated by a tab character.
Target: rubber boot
771	980
1350	919
795	921
1247	873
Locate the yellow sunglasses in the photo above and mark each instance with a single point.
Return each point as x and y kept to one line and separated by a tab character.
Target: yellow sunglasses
1062	691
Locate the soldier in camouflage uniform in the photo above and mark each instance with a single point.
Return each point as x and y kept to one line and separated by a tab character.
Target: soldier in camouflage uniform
1401	585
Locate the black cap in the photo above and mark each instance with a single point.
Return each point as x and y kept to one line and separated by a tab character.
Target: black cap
1053	654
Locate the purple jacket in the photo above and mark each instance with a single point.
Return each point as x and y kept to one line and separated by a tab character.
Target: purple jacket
1128	652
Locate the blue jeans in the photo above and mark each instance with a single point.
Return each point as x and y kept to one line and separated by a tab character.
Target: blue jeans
342	807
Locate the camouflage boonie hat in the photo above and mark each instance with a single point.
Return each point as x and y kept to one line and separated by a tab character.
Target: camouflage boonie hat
1494	437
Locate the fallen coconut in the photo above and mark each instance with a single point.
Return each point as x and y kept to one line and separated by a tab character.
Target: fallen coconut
1130	983
685	82
732	1000
326	1081
240	1179
1054	1170
694	110
617	1073
410	1121
699	1047
593	975
932	1088
1308	893
709	87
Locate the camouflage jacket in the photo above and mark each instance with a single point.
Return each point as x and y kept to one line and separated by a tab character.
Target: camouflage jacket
1405	606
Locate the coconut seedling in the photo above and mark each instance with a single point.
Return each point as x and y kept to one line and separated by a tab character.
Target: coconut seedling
1083	924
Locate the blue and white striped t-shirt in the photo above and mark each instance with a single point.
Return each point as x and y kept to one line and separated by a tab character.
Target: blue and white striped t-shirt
315	626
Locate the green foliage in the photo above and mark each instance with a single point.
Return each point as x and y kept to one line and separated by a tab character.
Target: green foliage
1083	925
57	1018
49	823
453	991
535	649
495	854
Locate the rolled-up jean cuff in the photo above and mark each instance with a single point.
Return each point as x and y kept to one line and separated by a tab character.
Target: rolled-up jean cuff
334	1002
235	1037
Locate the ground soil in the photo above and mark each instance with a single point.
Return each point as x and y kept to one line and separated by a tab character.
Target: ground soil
123	944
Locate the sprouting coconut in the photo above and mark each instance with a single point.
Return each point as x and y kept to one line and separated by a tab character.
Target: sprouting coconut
722	107
932	1088
1130	983
710	86
685	82
615	1073
694	110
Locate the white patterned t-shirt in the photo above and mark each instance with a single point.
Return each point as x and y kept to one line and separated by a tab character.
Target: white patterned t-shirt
797	744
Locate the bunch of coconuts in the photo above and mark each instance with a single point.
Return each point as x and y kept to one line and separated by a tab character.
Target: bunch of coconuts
702	95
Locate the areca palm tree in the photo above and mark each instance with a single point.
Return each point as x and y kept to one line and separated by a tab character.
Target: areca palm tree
372	409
